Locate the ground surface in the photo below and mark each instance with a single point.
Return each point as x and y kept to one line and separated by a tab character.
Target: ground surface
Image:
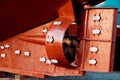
89	76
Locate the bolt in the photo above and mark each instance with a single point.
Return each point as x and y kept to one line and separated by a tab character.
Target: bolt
54	61
73	64
92	61
43	59
44	30
96	31
3	55
74	23
2	47
48	62
49	39
27	53
57	23
96	18
93	49
17	52
7	46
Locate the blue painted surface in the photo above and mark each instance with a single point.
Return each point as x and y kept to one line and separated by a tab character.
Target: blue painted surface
111	4
89	76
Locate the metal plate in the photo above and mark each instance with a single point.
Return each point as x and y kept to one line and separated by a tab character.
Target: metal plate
99	48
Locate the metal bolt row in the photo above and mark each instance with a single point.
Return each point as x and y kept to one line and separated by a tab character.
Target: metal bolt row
6	46
47	61
17	52
95	32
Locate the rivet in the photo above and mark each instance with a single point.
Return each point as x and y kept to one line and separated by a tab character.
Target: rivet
43	59
92	61
48	62
49	39
7	46
96	31
3	55
96	18
17	52
54	61
2	47
57	23
44	30
93	49
27	53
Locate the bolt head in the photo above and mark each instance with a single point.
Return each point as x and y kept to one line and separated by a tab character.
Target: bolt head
96	18
2	47
73	23
96	31
48	62
27	53
92	61
57	23
43	59
93	49
17	52
3	55
54	61
49	39
73	64
7	46
44	30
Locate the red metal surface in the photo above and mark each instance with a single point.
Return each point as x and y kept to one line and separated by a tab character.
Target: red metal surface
104	41
30	53
22	15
